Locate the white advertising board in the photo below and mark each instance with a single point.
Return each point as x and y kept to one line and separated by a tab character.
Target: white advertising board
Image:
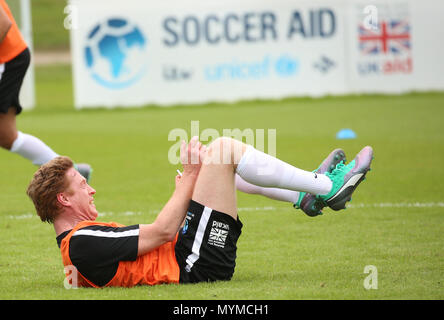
197	51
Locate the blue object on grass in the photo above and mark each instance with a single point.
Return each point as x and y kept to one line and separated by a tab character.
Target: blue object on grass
346	134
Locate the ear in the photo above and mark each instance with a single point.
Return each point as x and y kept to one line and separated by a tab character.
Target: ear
63	199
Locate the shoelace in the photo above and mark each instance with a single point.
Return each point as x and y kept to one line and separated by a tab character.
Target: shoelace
336	170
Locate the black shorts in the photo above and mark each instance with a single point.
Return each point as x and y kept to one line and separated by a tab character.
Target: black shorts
206	247
11	80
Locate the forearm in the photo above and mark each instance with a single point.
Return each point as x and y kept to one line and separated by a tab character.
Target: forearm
173	213
170	218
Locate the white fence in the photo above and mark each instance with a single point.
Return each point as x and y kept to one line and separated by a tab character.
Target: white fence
135	52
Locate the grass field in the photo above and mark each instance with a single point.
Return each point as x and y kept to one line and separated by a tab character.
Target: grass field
395	222
48	30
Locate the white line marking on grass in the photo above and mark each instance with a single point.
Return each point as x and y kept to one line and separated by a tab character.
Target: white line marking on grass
256	209
136	213
22	216
398	205
125	213
259	209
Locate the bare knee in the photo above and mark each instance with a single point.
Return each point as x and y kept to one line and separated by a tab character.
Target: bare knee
220	143
225	150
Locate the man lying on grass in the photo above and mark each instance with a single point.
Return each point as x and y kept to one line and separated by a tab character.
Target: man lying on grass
194	236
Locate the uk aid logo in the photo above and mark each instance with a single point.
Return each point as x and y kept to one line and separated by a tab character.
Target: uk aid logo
385	48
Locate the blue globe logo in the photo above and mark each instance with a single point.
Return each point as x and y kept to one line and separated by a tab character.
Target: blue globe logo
115	53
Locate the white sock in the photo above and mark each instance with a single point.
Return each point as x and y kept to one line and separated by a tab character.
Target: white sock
33	149
272	193
263	170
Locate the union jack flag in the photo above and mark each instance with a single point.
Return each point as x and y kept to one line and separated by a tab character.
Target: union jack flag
390	37
218	235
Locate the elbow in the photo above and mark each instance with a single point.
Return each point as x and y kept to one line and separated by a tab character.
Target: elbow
166	233
170	235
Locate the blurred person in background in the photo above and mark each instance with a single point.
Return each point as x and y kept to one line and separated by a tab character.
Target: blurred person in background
14	61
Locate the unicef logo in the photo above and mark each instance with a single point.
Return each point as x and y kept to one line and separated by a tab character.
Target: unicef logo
286	66
115	53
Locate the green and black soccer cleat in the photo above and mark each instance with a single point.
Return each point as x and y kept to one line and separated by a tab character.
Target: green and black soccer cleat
308	202
346	178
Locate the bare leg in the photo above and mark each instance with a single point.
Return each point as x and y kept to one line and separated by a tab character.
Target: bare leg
23	144
8	129
215	186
